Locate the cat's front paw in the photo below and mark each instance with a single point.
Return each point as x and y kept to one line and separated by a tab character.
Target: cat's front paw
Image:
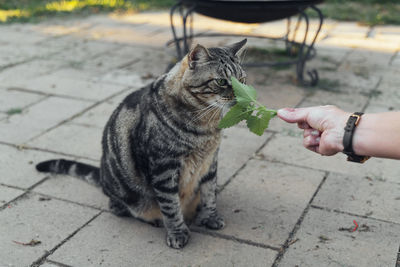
214	222
178	238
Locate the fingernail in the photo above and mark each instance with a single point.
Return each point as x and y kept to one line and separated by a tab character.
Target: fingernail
285	111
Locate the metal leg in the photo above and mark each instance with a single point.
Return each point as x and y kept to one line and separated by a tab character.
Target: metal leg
176	40
306	52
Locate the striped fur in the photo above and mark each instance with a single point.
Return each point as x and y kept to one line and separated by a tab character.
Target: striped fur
160	145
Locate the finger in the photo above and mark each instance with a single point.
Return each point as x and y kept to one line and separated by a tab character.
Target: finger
293	115
311	141
303	125
312	132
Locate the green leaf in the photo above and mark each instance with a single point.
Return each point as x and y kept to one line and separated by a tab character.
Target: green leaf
257	125
244	94
235	115
246	98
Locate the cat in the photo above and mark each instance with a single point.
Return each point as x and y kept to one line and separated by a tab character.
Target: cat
160	146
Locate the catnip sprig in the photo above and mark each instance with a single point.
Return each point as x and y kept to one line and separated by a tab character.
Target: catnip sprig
247	108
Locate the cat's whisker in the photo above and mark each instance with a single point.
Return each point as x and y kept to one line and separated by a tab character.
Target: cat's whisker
205	111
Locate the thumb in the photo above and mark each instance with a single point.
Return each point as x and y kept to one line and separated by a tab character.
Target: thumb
293	115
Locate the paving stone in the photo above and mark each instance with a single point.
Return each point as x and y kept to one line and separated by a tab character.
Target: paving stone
149	242
7	194
11	99
126	34
237	146
264	202
369	196
17	167
34	120
321	243
59	84
84	50
10	77
99	115
47	221
73	189
361	43
349	30
349	100
290	150
376	108
347	78
369	58
77	140
387	93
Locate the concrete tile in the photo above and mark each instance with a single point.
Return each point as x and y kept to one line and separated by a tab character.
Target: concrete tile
349	29
84	50
58	84
17	167
321	243
48	221
237	146
11	77
370	196
369	58
10	99
7	194
73	189
346	78
141	239
99	115
349	101
387	93
290	150
276	95
36	119
361	43
77	140
376	108
264	202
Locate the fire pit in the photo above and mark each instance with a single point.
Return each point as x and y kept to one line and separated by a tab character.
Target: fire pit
254	12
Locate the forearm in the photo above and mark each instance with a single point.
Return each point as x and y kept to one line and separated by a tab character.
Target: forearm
378	135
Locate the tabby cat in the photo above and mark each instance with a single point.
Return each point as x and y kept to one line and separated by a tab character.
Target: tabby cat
160	146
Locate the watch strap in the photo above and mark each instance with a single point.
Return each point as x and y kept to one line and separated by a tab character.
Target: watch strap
349	129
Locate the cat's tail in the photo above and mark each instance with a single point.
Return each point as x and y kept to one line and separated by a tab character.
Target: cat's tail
88	173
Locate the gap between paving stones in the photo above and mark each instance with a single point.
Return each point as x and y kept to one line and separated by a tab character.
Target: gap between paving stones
26	147
19	89
352	214
42	259
23	195
80	113
57	263
370	94
222	187
298	224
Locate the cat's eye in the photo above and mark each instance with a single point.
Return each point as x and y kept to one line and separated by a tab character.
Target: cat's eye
221	82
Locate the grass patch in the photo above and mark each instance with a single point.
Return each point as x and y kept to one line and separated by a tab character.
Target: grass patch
13	111
36	10
366	12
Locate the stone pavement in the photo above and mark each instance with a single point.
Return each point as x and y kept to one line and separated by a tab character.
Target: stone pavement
284	205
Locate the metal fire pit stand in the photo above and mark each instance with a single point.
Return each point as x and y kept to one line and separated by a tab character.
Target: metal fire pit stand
300	51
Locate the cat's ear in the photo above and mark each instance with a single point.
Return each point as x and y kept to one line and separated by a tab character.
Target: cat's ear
237	48
197	55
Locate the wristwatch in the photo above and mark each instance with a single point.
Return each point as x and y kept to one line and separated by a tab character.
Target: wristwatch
351	124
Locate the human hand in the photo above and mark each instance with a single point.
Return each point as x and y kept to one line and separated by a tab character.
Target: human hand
323	127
